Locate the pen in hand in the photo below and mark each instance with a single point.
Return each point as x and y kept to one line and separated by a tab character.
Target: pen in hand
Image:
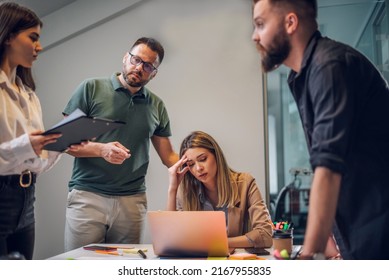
143	255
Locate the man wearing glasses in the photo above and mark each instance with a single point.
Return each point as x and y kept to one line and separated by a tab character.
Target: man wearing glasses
107	200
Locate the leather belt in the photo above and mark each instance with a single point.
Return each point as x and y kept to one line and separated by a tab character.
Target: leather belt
24	180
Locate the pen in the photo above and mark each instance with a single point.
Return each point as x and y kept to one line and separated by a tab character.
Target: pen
143	255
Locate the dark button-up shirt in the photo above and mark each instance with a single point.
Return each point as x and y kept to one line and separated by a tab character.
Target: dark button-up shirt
343	103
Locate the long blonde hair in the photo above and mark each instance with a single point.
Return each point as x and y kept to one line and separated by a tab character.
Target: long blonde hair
190	186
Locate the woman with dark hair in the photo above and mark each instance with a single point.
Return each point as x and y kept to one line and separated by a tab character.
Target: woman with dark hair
21	144
211	185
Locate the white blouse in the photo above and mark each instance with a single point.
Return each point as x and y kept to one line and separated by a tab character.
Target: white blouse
20	114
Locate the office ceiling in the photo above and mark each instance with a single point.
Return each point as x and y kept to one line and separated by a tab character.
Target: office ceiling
44	7
330	15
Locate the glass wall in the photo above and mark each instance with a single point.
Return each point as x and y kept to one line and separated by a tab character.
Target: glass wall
361	24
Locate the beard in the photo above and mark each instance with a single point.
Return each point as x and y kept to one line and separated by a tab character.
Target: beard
276	54
131	82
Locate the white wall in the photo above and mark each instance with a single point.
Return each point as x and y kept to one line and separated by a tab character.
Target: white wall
210	80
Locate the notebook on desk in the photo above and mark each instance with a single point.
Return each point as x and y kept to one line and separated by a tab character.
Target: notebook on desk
188	233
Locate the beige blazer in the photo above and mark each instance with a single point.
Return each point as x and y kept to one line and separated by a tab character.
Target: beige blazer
250	215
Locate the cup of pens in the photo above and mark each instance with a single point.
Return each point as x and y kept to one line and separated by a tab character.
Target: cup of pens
283	236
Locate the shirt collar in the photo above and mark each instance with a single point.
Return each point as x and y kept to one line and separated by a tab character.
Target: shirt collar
308	52
22	87
206	205
202	197
310	47
117	85
204	201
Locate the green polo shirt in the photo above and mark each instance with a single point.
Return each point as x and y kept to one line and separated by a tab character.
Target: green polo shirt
145	115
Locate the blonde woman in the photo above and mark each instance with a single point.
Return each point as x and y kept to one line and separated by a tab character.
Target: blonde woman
202	181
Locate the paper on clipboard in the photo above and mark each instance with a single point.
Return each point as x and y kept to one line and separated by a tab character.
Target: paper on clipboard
78	127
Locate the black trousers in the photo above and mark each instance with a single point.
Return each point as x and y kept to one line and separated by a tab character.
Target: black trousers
17	220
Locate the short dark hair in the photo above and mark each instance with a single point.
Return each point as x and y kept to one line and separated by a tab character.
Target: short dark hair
153	44
15	18
303	8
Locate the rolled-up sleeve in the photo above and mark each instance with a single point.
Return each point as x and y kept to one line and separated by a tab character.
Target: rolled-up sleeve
334	116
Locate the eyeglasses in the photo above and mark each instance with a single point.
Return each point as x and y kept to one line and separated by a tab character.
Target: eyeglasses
147	66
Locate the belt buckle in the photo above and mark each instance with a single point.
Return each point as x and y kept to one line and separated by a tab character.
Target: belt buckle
29	177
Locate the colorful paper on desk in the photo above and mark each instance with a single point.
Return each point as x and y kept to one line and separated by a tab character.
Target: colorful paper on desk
95	247
217	258
131	250
120	252
115	253
103	255
244	256
98	247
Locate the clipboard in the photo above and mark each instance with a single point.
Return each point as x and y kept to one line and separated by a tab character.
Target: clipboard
78	127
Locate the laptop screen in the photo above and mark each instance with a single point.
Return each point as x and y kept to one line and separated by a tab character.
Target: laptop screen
188	233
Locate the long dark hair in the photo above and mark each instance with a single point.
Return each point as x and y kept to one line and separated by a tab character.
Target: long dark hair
15	18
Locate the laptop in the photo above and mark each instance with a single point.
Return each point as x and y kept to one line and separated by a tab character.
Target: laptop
188	233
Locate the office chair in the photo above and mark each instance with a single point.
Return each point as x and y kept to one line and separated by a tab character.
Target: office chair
292	205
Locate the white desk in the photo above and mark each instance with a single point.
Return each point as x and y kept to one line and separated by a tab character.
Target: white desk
82	254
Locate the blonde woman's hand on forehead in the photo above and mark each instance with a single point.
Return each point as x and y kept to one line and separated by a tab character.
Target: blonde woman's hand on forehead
177	173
